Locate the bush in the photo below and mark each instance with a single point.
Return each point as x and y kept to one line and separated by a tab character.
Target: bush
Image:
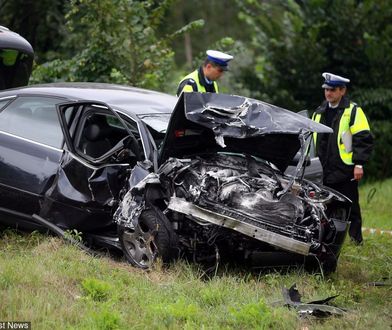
380	164
95	289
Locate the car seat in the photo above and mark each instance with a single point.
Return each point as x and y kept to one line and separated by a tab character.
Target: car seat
95	141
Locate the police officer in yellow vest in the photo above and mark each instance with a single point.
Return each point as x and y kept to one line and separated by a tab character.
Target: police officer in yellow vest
204	78
343	153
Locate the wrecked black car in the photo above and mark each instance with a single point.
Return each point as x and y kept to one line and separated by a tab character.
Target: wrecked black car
66	160
204	181
220	190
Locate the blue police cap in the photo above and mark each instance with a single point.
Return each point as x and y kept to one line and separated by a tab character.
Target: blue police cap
219	58
333	80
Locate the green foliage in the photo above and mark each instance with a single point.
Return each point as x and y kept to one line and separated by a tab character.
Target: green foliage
192	26
39	22
56	70
118	48
380	164
49	273
219	21
73	234
96	289
255	316
376	101
295	41
106	318
212	296
300	40
180	310
7	279
375	204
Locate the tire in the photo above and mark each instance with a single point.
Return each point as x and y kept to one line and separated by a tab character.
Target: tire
152	237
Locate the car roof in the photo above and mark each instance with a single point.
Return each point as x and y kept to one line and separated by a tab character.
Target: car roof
129	99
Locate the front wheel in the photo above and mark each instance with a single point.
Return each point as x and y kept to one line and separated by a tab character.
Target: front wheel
152	237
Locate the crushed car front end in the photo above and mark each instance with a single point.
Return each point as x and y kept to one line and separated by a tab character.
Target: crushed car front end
220	191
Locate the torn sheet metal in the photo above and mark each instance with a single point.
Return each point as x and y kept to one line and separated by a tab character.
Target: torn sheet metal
83	196
232	192
133	203
233	112
229	123
136	200
238	116
209	217
319	308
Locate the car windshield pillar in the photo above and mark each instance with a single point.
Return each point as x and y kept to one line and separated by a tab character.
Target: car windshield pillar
305	139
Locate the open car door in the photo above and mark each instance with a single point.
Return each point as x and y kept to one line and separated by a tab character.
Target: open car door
100	149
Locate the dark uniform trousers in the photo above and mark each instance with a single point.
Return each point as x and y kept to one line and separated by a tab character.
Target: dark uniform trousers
338	165
350	189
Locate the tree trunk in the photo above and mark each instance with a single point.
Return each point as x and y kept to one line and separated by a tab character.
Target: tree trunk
188	49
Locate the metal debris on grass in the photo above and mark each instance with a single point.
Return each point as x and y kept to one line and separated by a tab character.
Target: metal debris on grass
318	308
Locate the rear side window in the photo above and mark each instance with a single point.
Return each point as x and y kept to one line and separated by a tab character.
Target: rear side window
33	118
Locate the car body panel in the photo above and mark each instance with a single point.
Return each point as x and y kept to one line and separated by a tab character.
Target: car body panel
218	122
221	168
206	194
27	169
313	169
283	242
130	100
214	178
82	196
69	189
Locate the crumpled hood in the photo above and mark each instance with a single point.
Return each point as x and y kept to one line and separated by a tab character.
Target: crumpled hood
207	122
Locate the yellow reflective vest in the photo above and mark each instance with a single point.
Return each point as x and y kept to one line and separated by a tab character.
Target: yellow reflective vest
349	125
192	83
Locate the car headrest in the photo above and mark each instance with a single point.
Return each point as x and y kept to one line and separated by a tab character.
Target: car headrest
92	132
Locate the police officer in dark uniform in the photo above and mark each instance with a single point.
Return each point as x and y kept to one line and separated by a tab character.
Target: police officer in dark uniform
204	78
343	153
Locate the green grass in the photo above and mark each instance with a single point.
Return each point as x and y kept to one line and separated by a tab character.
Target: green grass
57	286
376	204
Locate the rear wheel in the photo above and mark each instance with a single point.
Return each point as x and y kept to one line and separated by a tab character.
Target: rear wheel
152	237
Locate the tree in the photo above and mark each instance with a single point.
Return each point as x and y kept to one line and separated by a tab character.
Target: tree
220	21
39	22
114	41
295	41
298	40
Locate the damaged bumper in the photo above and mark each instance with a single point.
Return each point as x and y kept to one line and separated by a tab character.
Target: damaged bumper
237	205
199	214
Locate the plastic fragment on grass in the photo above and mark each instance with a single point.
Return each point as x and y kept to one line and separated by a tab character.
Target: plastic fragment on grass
318	308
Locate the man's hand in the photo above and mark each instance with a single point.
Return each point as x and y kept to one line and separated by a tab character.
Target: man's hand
358	172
